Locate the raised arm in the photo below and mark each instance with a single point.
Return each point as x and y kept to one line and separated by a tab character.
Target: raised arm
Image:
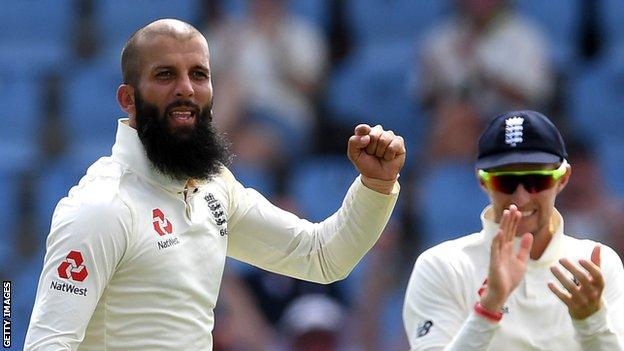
278	241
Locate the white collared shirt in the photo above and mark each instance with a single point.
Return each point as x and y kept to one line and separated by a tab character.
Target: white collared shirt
134	263
438	309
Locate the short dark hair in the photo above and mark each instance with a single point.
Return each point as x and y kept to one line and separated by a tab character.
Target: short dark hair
130	61
130	54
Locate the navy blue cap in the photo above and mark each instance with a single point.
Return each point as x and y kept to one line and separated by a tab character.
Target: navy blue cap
520	137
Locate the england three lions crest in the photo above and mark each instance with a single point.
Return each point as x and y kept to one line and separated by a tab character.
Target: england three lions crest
514	131
218	213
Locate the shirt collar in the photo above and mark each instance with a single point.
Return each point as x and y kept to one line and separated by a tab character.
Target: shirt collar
129	150
553	250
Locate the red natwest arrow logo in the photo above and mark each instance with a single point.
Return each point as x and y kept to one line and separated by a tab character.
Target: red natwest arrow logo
161	224
72	267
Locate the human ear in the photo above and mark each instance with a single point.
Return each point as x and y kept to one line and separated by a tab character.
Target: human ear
125	98
563	181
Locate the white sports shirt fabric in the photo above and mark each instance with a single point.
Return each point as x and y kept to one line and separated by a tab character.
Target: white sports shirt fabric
134	264
443	289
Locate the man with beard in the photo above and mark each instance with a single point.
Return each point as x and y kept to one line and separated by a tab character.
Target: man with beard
136	251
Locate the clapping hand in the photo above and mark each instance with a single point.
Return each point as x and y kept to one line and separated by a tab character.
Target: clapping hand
506	267
583	295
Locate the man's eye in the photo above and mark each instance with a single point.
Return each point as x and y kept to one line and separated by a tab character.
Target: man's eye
200	74
163	74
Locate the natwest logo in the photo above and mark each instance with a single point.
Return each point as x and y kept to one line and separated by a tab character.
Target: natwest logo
161	224
72	267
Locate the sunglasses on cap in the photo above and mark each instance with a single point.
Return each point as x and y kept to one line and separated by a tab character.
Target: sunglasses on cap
533	181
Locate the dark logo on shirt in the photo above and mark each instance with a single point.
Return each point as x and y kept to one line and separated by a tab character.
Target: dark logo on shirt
424	328
72	267
163	244
68	288
218	213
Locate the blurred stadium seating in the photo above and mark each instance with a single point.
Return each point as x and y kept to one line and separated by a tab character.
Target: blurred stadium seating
118	19
445	215
20	98
319	184
35	34
89	109
559	19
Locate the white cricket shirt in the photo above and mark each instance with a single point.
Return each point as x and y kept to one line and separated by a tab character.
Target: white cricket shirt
443	289
133	263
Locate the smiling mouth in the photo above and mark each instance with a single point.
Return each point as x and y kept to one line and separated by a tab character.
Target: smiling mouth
182	117
527	213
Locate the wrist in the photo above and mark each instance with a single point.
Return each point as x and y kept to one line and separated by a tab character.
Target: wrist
379	185
491	304
592	325
491	316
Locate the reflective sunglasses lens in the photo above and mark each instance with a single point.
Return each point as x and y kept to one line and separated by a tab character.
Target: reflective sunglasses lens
505	183
533	183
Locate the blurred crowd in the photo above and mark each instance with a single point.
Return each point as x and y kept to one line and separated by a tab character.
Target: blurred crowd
291	81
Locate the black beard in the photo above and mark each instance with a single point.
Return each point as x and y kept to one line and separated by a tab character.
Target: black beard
196	152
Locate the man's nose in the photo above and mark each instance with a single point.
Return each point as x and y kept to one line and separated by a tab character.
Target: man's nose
184	87
520	196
